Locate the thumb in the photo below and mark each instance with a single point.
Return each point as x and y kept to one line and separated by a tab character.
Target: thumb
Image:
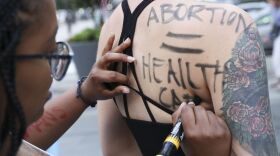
177	113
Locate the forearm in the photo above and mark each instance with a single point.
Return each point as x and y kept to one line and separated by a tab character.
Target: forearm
59	115
61	112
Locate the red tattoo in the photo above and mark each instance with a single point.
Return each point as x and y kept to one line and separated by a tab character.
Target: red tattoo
47	120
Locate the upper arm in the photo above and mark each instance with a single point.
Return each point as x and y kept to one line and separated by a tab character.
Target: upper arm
243	96
116	138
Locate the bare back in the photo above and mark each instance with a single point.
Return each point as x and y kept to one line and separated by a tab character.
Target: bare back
180	50
185	49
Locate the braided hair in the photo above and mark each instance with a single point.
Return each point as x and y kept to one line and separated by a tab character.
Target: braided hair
11	29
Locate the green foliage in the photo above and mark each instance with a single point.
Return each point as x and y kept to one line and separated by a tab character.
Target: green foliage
86	35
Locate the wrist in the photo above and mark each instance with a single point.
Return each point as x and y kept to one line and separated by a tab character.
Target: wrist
81	93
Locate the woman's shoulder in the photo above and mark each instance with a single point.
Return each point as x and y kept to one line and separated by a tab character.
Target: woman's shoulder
166	11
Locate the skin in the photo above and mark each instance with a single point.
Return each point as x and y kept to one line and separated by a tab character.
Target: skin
218	48
61	112
31	73
202	128
48	121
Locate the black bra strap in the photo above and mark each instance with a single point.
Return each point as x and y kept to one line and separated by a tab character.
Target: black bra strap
129	25
152	101
132	67
130	32
126	21
135	16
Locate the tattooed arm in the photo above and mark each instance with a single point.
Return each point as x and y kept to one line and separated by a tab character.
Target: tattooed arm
245	98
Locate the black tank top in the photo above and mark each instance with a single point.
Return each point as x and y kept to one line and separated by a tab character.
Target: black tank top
148	135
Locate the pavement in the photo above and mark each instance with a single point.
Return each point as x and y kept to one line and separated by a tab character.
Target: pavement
82	139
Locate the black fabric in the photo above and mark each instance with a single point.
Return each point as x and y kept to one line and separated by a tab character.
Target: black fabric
150	136
129	25
128	30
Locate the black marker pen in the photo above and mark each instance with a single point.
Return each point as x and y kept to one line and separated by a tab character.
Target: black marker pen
173	140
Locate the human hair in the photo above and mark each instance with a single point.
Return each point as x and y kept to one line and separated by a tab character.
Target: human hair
13	22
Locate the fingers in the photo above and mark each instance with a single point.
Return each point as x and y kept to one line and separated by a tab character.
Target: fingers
188	117
119	49
196	118
117	91
212	118
201	116
207	106
109	58
109	45
122	46
105	76
177	113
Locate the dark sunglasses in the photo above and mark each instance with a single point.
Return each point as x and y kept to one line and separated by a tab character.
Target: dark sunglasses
59	60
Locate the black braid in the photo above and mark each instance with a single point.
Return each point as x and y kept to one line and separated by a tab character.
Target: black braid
14	124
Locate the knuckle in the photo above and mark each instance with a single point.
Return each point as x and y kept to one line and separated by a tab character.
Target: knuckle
219	134
222	133
192	135
207	134
184	110
200	108
93	75
113	75
107	56
210	113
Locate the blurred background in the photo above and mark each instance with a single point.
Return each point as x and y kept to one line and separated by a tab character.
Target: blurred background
79	24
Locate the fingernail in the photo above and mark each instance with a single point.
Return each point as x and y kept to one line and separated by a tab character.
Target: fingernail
126	90
191	103
127	41
112	35
183	103
130	59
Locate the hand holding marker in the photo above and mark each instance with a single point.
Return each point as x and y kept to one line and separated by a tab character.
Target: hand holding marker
173	140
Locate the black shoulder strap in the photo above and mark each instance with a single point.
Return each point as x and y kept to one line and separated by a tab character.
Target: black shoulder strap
130	19
129	25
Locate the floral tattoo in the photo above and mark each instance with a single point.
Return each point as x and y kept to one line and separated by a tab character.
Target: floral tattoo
245	96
